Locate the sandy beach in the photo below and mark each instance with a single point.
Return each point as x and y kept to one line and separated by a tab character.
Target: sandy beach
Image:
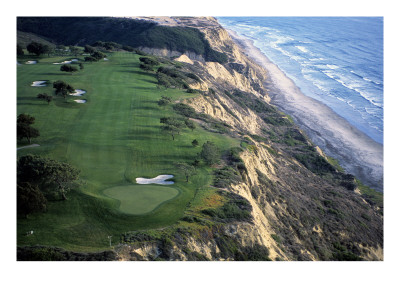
357	153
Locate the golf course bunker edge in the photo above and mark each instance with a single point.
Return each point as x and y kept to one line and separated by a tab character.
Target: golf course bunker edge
141	199
160	179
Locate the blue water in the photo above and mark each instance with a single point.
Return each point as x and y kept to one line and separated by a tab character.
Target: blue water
336	60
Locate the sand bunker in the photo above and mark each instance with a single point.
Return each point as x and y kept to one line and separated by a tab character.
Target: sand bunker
63	63
80	101
160	179
39	83
78	93
31	62
74	59
105	58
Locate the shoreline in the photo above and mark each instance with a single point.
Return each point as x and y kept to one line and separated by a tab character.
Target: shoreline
356	152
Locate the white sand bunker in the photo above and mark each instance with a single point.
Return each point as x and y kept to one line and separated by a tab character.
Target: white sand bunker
78	93
160	179
105	58
74	59
31	62
39	83
80	101
63	63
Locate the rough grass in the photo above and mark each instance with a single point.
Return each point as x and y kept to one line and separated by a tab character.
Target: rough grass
113	138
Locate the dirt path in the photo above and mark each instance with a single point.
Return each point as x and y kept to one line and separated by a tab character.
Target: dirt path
29	146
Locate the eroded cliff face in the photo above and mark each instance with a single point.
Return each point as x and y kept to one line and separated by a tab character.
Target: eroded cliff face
300	210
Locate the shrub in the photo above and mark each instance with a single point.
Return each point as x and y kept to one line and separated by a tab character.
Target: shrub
128	48
149	61
170	77
350	185
271	150
193	76
68	68
20	51
210	153
220	127
164	101
341	253
226	176
185	110
253	253
234	155
138	236
146	67
236	209
89	49
172	72
277	120
90	59
276	238
165	80
97	55
190	124
315	163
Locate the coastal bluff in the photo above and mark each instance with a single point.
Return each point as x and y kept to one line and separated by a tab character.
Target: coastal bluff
285	198
294	209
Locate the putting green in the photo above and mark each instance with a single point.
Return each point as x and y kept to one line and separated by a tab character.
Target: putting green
140	199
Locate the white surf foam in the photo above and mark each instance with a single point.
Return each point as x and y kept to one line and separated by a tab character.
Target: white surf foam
302	49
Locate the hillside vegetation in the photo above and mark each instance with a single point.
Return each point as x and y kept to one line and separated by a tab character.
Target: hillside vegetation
134	33
25	38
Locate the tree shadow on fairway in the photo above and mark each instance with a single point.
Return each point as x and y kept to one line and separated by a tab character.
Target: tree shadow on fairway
147	89
177	157
129	65
157	127
141	73
66	103
189	146
143	135
51	74
31	101
147	108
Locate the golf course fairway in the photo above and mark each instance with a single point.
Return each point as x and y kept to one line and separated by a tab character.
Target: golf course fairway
114	138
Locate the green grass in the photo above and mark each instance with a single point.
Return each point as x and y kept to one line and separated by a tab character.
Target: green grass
140	199
113	138
370	194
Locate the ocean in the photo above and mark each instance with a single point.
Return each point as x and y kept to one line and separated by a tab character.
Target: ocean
335	60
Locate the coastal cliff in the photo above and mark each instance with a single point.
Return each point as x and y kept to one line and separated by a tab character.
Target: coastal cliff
300	209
